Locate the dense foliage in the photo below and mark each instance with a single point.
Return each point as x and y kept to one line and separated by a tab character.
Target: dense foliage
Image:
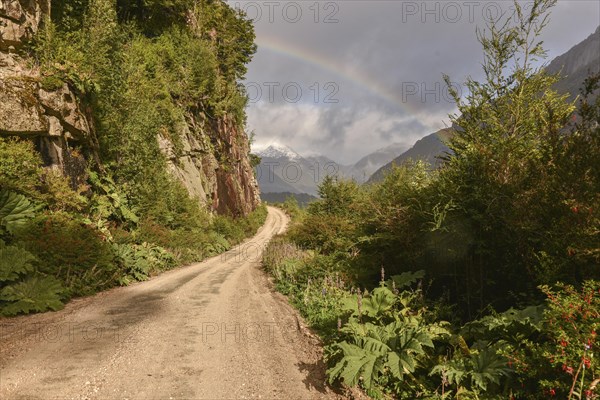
144	70
503	300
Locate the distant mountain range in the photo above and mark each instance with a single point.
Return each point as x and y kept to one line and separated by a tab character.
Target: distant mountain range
575	66
303	199
284	172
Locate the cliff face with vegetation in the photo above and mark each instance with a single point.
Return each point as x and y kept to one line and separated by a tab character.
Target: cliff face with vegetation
45	99
50	118
123	151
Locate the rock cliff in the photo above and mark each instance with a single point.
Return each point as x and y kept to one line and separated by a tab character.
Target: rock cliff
53	119
213	166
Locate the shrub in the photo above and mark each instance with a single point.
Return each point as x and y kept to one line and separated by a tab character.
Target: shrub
21	289
69	250
20	166
138	262
327	233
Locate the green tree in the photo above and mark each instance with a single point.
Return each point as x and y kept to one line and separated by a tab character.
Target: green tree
504	132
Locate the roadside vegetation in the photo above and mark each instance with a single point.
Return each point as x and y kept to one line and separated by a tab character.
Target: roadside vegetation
480	280
141	69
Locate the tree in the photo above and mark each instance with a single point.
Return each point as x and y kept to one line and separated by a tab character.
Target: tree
505	129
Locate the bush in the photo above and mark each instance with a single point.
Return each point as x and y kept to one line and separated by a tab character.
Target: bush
327	233
138	262
69	250
22	290
20	166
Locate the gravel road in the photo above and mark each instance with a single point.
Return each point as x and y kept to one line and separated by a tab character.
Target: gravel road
213	330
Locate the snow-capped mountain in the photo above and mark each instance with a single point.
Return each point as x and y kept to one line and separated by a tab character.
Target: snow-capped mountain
276	150
283	170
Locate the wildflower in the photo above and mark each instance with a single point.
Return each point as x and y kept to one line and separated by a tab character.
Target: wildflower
382	274
552	392
587	363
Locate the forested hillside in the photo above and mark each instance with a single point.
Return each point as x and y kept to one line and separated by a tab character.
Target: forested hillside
122	136
477	280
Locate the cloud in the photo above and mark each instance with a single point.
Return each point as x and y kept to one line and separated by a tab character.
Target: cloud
385	61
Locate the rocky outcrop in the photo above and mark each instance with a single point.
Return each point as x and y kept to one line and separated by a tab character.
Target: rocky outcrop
213	165
53	119
19	20
210	159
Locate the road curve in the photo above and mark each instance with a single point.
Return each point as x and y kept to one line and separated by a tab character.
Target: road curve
212	330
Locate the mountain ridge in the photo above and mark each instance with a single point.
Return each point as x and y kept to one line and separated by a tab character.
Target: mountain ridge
575	65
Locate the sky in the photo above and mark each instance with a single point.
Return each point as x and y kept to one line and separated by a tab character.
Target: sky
345	78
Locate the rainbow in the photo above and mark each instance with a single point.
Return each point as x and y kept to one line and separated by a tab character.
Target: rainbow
347	72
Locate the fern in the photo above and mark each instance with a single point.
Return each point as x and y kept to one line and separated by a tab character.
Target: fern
140	261
37	293
15	210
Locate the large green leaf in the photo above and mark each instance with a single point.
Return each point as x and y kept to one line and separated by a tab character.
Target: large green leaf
355	364
406	279
488	367
373	305
38	293
381	300
15	210
14	262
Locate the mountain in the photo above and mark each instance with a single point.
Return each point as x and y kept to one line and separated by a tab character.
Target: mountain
575	66
303	199
279	151
283	170
366	166
426	149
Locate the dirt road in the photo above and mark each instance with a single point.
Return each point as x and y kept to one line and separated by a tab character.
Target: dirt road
207	331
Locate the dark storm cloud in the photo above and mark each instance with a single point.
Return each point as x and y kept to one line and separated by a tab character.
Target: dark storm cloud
386	60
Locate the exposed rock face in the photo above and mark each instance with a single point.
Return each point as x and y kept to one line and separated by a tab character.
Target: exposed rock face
19	20
53	119
214	165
